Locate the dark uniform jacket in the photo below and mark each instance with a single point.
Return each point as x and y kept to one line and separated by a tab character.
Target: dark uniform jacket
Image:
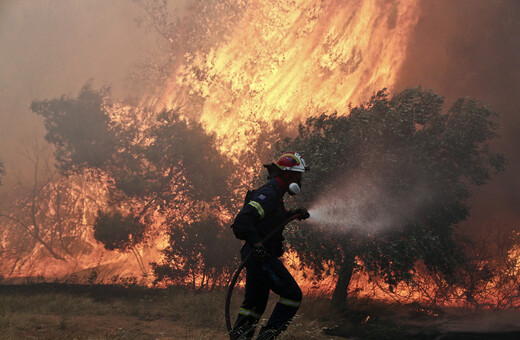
263	213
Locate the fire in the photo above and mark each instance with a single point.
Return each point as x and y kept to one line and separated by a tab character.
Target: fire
283	61
62	245
287	60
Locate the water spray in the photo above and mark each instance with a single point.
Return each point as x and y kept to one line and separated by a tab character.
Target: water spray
365	206
343	215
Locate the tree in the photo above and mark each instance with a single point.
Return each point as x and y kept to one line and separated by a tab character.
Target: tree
199	254
398	172
78	128
159	168
44	217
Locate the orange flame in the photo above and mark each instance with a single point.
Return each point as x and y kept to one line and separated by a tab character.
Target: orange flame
284	60
287	60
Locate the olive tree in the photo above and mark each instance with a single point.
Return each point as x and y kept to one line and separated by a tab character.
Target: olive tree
402	169
158	167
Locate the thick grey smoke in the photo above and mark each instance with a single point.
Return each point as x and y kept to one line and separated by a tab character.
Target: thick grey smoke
472	48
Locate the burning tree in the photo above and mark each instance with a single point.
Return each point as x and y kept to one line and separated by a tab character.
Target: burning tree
160	169
407	170
200	254
44	217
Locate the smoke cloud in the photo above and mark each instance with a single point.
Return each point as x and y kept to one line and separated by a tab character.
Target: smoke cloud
50	48
471	48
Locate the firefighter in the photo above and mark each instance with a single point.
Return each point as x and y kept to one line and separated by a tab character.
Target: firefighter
262	213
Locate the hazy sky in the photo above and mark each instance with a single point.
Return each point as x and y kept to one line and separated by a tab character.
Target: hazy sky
49	48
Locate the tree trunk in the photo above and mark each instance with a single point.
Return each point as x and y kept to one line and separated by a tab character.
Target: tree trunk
339	296
139	260
34	232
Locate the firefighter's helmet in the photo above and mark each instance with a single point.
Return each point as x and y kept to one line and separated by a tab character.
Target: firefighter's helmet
291	161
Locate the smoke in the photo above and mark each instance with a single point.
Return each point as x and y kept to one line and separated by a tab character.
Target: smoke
471	48
51	48
485	321
361	204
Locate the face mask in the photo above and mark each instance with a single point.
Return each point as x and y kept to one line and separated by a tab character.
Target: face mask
294	189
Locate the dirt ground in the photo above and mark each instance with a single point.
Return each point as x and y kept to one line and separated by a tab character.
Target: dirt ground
479	326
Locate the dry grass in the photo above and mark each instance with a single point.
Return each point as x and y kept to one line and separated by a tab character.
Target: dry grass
61	311
51	311
40	312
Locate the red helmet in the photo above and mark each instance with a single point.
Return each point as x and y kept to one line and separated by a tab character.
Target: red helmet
291	161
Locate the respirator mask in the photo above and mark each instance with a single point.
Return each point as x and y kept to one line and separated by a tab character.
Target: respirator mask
295	185
294	189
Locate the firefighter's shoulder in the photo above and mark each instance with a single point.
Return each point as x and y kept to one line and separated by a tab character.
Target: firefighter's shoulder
265	193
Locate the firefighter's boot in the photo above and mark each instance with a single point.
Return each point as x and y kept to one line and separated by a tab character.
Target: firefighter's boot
244	327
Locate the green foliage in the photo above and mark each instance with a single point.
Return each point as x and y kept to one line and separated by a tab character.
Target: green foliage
187	146
158	166
154	161
416	158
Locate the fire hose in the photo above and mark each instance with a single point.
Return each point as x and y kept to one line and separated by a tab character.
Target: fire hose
243	264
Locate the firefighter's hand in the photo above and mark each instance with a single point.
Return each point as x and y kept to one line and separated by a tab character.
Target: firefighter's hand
304	214
259	253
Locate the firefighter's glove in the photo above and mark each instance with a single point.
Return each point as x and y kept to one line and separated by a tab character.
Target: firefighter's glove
260	254
304	214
